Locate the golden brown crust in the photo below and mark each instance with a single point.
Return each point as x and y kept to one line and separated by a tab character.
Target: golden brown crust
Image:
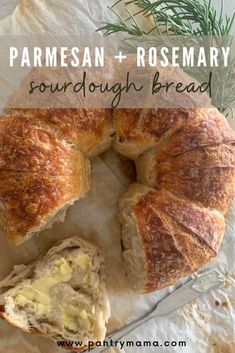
137	130
205	127
26	147
39	174
198	161
91	130
2	311
178	237
194	159
204	175
28	200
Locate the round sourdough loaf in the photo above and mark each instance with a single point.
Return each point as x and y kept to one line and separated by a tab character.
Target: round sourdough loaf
185	155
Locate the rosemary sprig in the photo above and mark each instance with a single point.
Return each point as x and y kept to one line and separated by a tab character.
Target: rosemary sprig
185	17
122	25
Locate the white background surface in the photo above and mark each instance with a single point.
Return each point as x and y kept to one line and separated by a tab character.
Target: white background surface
8	6
206	327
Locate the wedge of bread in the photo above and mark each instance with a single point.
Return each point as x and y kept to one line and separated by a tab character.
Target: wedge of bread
165	237
62	295
41	175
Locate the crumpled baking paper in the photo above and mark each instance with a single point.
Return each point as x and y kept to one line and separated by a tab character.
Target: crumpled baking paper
208	323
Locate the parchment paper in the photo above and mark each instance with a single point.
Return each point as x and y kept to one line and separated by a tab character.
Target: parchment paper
207	324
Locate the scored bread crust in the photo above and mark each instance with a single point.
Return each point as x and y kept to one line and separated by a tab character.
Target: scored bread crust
189	152
176	237
193	167
137	130
197	162
40	175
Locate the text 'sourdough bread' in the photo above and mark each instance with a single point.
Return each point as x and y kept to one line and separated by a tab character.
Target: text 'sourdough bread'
62	295
91	130
41	174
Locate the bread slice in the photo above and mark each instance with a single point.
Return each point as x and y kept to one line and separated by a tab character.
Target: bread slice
165	237
41	174
62	295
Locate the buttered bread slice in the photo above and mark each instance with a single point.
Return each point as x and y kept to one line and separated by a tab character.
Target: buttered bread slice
62	295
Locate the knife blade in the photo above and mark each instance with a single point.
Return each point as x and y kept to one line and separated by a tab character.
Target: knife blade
189	291
192	289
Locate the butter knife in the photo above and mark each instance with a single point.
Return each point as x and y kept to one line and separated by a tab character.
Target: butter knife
192	289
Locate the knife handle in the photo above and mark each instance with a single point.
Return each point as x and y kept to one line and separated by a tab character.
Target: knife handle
129	328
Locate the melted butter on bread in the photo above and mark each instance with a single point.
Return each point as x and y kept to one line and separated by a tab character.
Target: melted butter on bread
37	295
75	317
83	261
